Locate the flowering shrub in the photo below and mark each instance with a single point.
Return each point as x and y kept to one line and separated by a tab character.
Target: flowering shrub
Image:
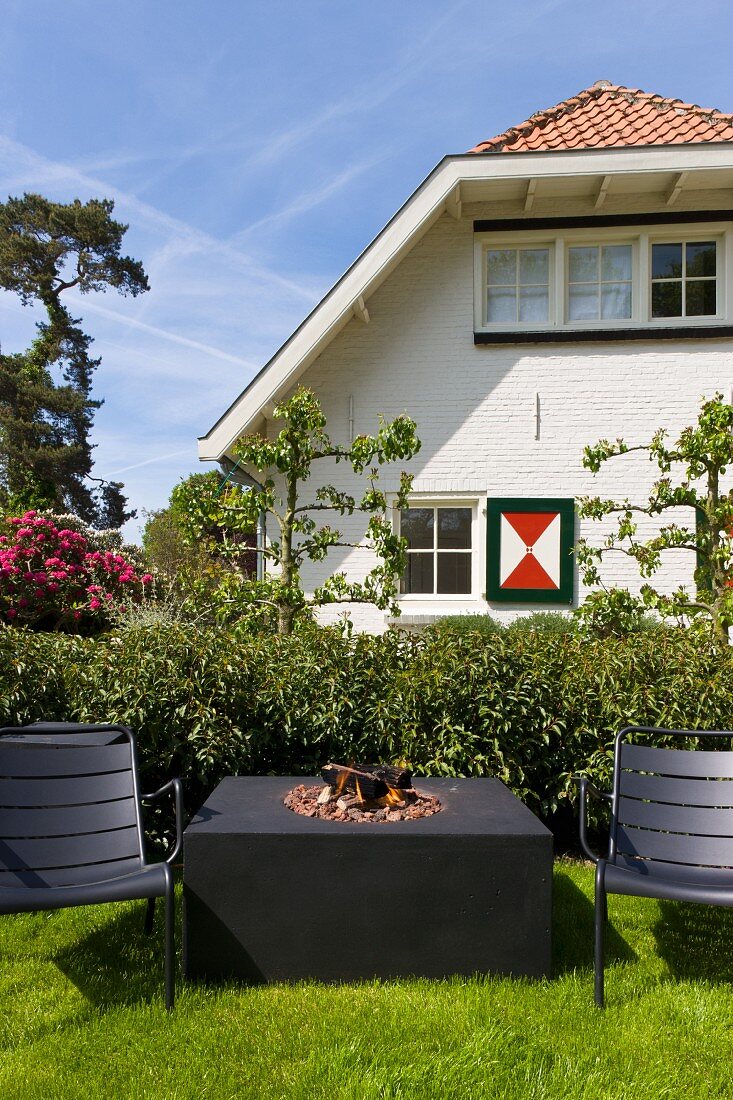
51	579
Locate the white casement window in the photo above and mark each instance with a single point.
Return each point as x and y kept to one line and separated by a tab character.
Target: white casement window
621	278
518	285
684	278
441	548
599	282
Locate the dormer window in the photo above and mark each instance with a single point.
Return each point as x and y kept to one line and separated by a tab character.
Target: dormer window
617	279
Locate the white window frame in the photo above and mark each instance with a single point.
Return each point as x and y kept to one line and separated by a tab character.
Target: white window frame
599	243
696	234
641	239
438	500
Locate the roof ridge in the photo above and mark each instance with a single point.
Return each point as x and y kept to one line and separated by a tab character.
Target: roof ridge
633	96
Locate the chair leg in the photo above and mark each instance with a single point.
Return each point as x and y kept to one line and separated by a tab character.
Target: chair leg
149	914
601	915
170	947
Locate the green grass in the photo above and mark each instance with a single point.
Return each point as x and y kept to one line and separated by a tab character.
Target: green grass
81	1014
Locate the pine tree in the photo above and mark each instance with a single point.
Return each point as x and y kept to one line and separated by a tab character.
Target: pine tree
46	407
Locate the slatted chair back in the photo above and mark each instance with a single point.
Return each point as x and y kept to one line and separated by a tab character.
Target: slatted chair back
69	806
673	808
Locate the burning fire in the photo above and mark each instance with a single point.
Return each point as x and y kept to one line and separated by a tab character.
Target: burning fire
371	787
341	784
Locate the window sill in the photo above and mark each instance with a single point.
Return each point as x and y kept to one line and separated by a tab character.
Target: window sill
715	331
430	609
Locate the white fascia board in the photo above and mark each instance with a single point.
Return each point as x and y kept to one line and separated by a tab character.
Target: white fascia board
408	225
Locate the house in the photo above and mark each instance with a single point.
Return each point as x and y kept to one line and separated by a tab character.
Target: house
568	280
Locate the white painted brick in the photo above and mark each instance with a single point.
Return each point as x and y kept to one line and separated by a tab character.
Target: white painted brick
475	406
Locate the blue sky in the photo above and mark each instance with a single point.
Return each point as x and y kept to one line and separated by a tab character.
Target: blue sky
255	148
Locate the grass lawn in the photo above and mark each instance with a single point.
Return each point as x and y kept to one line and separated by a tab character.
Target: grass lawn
81	1015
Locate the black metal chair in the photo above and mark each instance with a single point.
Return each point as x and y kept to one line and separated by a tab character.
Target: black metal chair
71	830
671	831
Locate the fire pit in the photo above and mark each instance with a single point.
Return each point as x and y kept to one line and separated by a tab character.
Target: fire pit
272	895
363	792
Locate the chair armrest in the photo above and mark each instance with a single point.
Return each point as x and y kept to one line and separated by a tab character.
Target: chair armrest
586	788
177	788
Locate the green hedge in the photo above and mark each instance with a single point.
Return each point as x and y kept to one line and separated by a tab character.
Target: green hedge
531	708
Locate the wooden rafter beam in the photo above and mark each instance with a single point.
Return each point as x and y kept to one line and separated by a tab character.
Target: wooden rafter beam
529	196
453	204
603	191
360	310
677	187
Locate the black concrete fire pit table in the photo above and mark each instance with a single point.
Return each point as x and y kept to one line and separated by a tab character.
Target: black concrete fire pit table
271	895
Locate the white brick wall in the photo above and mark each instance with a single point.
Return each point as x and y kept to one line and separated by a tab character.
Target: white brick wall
475	406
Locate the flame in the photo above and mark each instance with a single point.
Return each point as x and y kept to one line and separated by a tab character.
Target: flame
341	783
393	797
359	795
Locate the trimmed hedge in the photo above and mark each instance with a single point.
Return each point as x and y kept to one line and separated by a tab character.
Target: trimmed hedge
533	709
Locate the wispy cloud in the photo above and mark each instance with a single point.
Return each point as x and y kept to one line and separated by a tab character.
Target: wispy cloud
373	93
312	198
155	330
150	461
30	169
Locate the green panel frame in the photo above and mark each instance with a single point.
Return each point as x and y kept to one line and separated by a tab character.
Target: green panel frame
563	596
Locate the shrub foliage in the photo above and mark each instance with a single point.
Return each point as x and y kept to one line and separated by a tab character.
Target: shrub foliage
534	709
53	578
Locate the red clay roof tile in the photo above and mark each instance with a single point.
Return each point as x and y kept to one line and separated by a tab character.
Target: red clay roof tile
608	115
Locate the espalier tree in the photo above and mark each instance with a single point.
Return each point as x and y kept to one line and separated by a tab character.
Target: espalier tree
282	468
691	475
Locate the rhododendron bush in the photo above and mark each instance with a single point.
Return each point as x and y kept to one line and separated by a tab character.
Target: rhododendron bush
52	578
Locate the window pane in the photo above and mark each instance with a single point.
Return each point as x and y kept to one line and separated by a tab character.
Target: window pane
416	526
534	303
616	263
419	574
582	265
454	528
454	573
701	258
583	302
615	301
666	263
700	298
501	304
534	266
667	299
501	266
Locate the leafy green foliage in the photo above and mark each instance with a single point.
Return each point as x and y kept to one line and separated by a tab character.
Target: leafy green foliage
208	568
691	473
614	612
542	622
466	624
46	408
283	465
535	709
